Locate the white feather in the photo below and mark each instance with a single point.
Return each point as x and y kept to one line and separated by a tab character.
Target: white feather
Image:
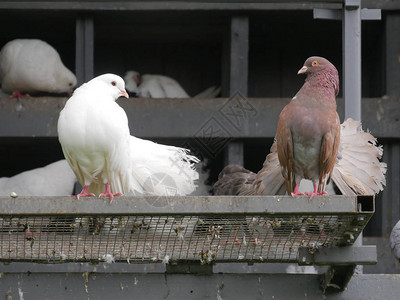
31	65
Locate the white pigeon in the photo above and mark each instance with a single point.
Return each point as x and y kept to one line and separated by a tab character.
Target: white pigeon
31	65
94	135
56	179
159	86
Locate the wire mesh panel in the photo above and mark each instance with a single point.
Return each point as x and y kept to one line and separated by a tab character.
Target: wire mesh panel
169	236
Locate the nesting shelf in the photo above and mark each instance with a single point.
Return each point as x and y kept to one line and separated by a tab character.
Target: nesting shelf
174	229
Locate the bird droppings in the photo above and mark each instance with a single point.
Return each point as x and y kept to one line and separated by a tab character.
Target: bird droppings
135	281
85	276
179	230
166	259
20	293
108	258
63	256
13	194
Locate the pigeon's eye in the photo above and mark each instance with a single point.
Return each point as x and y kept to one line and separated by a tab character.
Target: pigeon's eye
70	84
113	83
315	63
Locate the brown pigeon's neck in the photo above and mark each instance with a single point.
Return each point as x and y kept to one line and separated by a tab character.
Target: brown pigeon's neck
327	80
316	93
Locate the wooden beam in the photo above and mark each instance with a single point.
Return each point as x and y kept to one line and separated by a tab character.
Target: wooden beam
151	118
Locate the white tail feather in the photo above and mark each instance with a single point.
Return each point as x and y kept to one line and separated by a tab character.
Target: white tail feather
210	92
161	170
358	171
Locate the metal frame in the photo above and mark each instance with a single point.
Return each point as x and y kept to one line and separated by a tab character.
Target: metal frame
55	218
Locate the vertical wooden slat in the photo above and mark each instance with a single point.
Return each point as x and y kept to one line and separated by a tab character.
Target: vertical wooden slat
238	75
391	198
392	32
239	55
84	62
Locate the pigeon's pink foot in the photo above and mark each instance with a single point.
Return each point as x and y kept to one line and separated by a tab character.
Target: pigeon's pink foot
296	191
315	193
84	193
19	95
109	194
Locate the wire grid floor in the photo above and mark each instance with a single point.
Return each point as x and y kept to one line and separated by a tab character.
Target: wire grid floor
55	239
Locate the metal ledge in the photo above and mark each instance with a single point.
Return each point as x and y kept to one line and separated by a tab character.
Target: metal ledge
190	205
364	255
173	230
167	5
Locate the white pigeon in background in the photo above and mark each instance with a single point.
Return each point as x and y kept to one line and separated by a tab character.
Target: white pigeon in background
159	86
31	65
395	240
94	135
55	179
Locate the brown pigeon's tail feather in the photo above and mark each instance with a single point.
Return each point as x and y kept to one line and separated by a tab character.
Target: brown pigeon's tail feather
269	180
234	180
358	169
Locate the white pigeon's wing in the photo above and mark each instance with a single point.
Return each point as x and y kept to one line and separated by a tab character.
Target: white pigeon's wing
151	88
172	88
56	179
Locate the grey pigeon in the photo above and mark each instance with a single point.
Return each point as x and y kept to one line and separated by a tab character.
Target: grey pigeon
31	66
395	240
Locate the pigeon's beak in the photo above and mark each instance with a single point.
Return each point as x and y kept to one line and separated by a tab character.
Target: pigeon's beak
125	94
302	70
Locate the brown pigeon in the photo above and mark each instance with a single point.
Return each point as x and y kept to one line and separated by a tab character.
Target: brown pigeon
307	146
357	170
308	133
